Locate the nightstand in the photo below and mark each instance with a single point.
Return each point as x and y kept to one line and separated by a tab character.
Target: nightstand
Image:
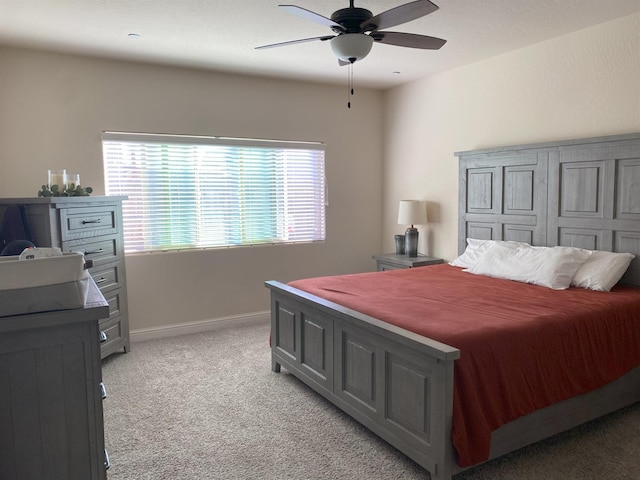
391	261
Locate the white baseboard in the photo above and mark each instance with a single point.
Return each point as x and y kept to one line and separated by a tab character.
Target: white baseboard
177	329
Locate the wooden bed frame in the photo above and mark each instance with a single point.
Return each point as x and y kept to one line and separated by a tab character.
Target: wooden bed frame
583	193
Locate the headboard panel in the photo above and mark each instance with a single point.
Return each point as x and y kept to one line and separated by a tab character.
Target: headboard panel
582	193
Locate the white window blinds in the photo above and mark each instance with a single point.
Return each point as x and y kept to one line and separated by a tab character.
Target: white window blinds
197	192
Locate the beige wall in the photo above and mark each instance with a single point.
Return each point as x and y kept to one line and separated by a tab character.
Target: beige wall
54	107
579	85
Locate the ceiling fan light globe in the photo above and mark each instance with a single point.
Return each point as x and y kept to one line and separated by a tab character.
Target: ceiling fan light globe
350	47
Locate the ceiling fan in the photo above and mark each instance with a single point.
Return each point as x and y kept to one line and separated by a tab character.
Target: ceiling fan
357	28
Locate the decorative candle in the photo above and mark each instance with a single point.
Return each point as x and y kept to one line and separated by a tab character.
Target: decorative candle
57	177
73	180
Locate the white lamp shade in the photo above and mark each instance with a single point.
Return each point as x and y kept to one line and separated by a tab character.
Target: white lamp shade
350	47
412	212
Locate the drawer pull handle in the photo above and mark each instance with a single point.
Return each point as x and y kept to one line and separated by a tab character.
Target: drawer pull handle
93	252
107	463
97	220
103	391
101	280
103	336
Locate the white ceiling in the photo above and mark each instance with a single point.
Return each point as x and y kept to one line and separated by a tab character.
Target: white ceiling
221	34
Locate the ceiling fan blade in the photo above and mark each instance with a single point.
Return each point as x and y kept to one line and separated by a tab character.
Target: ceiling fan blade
411	40
312	16
401	14
293	42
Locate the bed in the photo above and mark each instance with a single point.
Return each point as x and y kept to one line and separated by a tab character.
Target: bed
400	384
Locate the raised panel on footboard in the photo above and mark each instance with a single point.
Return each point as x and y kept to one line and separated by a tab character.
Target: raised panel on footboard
407	396
316	353
357	371
284	334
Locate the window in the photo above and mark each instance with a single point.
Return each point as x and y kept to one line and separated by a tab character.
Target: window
197	192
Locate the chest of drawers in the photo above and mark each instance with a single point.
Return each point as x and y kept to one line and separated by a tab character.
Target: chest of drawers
93	226
51	416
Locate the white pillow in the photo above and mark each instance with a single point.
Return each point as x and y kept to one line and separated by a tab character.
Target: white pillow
475	249
602	270
552	267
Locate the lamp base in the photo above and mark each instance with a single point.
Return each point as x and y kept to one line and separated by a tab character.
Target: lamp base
411	242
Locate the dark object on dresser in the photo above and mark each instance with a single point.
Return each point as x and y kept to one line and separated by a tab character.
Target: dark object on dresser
400	246
16	247
14	227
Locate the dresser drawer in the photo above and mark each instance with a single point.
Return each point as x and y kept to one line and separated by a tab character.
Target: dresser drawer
383	267
99	250
113	331
107	277
88	222
114	299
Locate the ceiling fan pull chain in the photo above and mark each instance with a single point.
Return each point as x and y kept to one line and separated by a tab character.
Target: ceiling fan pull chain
350	83
351	80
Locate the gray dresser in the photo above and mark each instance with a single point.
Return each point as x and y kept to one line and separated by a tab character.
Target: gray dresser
51	420
93	226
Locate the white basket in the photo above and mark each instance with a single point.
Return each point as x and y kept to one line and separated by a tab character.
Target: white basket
38	272
42	284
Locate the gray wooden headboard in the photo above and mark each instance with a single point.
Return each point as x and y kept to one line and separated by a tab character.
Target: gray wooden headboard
581	193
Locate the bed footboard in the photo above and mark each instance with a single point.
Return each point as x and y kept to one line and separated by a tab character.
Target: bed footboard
396	383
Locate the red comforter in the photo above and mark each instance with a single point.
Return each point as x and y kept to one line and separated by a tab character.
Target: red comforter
523	347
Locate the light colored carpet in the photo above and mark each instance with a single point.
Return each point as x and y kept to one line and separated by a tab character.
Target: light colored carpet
207	406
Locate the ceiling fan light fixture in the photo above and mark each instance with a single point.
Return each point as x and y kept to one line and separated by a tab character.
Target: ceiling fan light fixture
351	47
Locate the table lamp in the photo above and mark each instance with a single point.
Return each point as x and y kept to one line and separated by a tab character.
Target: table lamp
412	212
